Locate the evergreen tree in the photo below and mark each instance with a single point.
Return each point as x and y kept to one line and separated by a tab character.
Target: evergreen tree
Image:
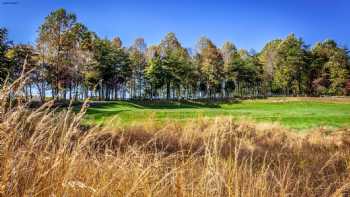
291	66
211	66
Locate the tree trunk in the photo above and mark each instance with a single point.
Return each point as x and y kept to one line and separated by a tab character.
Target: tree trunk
168	90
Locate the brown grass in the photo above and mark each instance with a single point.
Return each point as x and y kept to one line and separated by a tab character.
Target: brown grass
46	153
326	99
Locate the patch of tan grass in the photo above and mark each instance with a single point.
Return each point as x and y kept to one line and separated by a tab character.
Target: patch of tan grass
47	153
327	99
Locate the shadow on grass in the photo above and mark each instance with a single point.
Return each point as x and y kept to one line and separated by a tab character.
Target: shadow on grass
162	104
106	109
151	105
98	114
159	104
114	104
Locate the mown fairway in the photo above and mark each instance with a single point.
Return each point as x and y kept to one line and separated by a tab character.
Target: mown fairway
291	113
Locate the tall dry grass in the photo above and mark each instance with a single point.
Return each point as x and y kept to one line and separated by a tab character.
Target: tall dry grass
47	153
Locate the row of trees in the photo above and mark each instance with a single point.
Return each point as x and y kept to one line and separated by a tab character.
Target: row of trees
70	61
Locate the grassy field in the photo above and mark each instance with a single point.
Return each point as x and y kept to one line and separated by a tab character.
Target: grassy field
295	113
47	153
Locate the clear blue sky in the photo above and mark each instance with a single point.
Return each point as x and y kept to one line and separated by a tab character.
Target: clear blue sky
247	23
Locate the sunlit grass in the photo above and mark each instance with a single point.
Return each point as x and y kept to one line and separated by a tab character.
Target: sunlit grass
296	114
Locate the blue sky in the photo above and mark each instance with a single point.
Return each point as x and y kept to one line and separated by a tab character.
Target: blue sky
247	23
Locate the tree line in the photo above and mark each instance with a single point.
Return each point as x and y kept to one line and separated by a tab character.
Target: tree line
71	62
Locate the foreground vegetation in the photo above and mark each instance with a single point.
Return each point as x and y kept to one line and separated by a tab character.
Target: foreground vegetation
48	153
296	113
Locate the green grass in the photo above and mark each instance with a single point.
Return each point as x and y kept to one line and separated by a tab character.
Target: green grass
301	114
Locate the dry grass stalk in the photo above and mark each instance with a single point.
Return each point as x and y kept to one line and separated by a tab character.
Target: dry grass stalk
45	153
